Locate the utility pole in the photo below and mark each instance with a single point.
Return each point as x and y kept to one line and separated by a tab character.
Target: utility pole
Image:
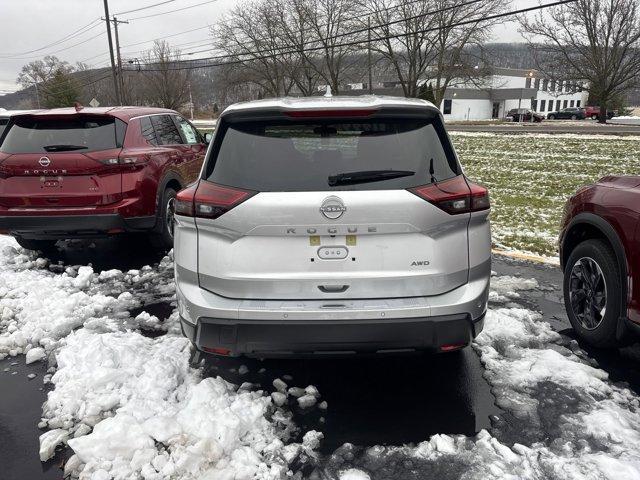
119	58
369	54
37	93
190	103
113	62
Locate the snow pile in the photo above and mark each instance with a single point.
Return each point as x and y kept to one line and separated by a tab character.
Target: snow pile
563	418
39	307
153	416
505	288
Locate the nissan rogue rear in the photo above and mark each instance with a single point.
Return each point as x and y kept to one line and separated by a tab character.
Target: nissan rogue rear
332	226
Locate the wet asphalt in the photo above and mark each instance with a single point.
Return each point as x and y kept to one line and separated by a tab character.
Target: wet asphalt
371	401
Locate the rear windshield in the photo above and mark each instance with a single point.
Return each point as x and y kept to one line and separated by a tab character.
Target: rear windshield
304	155
79	133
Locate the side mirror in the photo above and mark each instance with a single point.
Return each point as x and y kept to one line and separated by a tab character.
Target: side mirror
208	137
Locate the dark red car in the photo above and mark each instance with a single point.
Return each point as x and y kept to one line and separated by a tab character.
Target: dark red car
600	256
90	172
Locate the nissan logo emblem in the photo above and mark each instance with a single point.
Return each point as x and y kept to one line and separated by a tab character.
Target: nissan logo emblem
44	161
332	207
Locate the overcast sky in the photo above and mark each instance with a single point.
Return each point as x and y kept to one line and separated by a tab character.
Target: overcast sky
28	25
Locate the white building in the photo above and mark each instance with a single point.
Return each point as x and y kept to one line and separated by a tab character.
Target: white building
511	88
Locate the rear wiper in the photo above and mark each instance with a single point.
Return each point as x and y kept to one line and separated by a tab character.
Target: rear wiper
63	148
366	176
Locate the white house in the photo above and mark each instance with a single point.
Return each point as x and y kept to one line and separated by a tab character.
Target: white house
511	88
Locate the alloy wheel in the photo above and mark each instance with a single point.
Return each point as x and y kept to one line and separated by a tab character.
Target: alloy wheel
588	293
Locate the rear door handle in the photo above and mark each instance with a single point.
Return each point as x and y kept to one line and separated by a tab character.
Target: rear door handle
333	288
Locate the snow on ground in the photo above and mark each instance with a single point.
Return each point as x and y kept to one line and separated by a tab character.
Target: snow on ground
131	405
128	405
563	418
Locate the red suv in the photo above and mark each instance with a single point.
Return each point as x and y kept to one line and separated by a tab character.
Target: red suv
594	112
91	172
600	256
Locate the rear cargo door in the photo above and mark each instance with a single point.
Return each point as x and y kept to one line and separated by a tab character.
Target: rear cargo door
333	216
66	161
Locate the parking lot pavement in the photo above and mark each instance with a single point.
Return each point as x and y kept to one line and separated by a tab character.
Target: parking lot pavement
371	402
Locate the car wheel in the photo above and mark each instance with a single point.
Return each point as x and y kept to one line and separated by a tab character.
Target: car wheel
594	117
163	238
574	117
34	244
552	117
592	292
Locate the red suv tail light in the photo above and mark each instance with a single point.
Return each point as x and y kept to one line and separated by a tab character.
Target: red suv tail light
455	196
209	200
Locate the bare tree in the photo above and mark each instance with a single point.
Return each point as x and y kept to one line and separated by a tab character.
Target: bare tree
164	84
405	43
597	41
252	37
42	75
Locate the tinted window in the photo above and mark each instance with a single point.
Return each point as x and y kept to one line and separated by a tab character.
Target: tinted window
189	134
302	155
447	106
166	131
79	133
147	130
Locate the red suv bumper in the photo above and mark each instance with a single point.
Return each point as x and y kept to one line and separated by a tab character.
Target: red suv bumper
75	222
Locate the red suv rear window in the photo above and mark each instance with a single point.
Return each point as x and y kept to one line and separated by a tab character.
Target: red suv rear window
82	133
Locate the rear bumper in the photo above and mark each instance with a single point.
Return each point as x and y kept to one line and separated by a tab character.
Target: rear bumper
267	339
72	226
274	328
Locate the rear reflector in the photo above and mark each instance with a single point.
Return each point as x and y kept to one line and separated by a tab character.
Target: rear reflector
330	113
209	200
452	346
454	196
217	351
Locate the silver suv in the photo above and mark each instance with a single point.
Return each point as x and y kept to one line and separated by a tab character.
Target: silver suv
331	226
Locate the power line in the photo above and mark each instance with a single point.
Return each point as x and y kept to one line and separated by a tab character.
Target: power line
351	43
73	34
333	37
144	8
62	49
173	11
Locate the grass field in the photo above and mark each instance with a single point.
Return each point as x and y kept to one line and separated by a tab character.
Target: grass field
531	176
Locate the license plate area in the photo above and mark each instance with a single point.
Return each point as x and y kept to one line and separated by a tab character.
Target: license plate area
333	252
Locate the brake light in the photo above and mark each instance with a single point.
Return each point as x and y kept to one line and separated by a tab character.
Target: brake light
209	200
330	113
455	196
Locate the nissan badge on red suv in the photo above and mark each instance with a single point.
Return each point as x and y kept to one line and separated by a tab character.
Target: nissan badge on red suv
91	172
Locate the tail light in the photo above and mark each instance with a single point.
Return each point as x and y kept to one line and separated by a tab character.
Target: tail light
455	196
209	200
132	160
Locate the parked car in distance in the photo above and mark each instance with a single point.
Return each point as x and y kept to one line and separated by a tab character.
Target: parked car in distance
593	112
600	256
524	115
570	113
92	172
332	226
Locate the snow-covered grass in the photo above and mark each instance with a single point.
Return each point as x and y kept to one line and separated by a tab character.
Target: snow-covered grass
530	176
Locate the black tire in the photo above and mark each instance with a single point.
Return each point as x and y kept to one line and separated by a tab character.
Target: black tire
163	236
591	266
551	117
594	117
43	246
574	117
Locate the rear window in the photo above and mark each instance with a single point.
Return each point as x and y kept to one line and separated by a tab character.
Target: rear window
78	133
302	155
